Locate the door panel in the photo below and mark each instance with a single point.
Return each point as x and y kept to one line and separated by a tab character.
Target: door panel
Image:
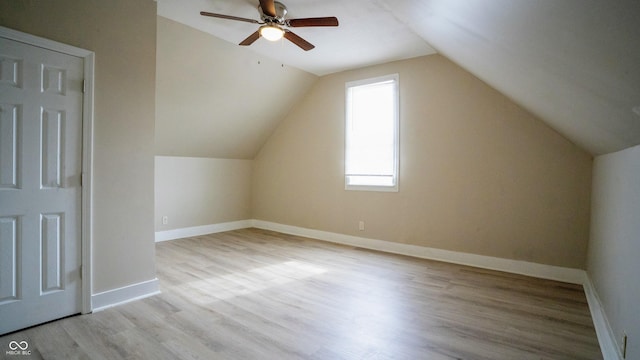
9	259
9	145
40	193
51	244
51	137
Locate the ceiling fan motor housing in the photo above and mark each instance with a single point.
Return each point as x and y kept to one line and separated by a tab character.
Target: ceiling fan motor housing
281	12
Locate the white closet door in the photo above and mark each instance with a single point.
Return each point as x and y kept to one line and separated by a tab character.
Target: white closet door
40	184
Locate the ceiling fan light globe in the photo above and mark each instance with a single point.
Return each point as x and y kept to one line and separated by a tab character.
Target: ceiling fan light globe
271	33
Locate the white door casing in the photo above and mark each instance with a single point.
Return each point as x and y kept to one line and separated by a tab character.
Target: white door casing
42	204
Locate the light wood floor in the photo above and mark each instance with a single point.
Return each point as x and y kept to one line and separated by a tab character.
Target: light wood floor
254	294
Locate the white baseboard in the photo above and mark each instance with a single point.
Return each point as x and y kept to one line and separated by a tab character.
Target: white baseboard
110	298
570	275
606	338
201	230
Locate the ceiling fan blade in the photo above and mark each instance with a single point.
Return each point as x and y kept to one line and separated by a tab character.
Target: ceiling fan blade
321	21
229	17
251	39
268	7
302	43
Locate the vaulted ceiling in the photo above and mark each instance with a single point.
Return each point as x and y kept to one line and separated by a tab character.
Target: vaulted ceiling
573	63
216	99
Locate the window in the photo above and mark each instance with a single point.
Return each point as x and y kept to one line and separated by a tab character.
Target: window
372	128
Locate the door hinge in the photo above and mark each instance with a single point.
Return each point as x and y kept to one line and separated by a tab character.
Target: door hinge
81	179
81	271
84	86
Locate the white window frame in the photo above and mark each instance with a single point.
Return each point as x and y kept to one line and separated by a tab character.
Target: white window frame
395	78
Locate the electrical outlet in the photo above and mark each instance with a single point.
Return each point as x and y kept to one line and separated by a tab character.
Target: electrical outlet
623	346
165	220
361	225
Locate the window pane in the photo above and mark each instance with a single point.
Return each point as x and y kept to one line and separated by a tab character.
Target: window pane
371	148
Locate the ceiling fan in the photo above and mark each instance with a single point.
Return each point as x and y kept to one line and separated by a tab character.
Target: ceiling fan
274	24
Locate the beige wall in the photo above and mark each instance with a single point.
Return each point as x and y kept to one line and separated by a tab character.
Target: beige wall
201	191
122	34
215	104
478	174
216	99
613	263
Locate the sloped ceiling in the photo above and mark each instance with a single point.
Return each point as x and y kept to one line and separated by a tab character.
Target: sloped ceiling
215	99
574	63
